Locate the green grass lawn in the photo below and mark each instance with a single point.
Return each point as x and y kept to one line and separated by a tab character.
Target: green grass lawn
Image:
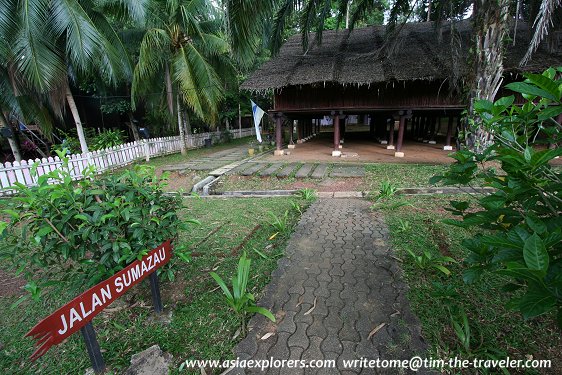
202	327
435	297
178	158
401	175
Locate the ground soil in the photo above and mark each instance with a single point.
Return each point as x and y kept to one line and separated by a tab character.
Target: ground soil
10	285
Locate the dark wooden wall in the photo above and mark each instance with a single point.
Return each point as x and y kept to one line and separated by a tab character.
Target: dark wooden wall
398	95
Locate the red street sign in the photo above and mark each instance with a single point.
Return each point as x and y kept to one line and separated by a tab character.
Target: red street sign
77	313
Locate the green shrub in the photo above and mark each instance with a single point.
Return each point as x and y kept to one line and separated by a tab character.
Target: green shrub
84	231
106	139
523	237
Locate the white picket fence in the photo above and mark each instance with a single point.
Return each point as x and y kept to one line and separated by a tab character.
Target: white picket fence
103	160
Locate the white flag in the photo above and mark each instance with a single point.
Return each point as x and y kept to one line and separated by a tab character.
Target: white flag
258	114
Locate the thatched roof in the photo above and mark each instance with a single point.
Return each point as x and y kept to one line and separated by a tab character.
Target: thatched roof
351	58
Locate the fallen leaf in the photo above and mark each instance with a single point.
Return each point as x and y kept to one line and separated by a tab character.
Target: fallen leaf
374	331
273	236
394	314
301	299
313	307
267	335
203	372
236	334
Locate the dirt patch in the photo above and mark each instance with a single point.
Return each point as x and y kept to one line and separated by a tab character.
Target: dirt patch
10	285
183	180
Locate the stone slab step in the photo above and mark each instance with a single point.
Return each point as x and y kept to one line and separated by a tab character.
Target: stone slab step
320	171
252	169
347	171
304	171
269	171
287	170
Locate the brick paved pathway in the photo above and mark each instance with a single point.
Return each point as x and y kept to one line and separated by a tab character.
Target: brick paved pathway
337	284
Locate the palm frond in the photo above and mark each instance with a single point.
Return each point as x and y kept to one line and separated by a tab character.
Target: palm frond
543	22
135	10
280	20
35	54
245	20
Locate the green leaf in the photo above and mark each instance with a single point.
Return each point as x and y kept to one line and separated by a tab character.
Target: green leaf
535	224
535	254
528	89
471	275
528	153
222	285
262	311
536	302
44	231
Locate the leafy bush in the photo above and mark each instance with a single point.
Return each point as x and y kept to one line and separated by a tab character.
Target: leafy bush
307	194
239	299
82	232
106	139
523	237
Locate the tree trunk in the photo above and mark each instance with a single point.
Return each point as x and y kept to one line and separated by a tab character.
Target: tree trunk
14	145
77	121
428	11
186	123
183	146
169	93
133	127
491	27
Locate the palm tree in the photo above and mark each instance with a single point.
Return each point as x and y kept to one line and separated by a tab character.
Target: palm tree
182	49
53	42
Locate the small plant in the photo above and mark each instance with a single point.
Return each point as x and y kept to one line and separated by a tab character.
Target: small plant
296	207
386	190
239	299
465	337
307	194
428	261
280	223
403	225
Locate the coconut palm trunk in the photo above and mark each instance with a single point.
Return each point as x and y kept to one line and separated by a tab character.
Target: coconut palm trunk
77	120
491	28
183	145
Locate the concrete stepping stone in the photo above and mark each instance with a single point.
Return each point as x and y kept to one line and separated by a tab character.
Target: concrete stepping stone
269	171
348	171
320	171
304	171
286	171
253	169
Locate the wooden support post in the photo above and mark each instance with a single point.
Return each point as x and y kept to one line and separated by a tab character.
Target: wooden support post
435	122
278	135
299	132
155	291
448	146
426	128
342	131
401	128
291	141
371	126
390	134
93	348
336	151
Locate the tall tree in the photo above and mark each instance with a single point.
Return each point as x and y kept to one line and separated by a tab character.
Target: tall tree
53	42
183	48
